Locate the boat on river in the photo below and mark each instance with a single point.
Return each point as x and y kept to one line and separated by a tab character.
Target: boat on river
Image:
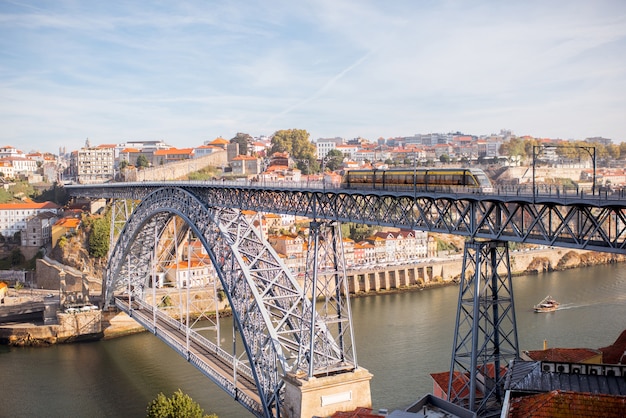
548	304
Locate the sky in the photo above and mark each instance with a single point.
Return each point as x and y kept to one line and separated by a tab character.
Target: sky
187	72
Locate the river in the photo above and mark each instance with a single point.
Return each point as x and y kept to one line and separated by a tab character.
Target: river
400	339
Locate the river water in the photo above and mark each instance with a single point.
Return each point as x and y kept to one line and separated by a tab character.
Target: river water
400	339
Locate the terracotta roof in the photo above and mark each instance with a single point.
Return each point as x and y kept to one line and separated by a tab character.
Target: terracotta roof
219	141
614	353
173	151
460	383
568	404
68	222
31	205
182	265
357	413
568	355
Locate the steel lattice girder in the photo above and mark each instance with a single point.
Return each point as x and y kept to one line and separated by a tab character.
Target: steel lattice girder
590	224
485	337
267	302
325	284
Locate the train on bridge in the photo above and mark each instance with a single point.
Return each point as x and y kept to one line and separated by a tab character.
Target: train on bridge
420	179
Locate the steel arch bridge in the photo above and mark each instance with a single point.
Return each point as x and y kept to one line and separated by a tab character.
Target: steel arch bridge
280	332
270	309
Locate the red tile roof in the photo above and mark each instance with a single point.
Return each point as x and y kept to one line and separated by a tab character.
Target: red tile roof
357	413
614	353
174	151
560	404
30	205
68	222
460	383
568	355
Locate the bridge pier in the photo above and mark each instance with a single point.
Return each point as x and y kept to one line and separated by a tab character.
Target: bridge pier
485	337
325	395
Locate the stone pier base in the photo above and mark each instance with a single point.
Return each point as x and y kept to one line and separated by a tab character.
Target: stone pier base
323	396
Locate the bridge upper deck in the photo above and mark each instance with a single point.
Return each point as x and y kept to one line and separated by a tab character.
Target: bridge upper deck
552	217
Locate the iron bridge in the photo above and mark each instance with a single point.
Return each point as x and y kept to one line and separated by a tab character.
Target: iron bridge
288	327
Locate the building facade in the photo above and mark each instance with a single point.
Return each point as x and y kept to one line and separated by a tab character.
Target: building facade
95	164
14	216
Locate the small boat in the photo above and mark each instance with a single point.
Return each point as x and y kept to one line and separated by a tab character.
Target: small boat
548	304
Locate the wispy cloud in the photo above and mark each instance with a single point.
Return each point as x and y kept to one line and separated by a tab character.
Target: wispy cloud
189	71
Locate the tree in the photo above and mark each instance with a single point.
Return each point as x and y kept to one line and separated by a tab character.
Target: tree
178	405
295	142
17	257
613	151
123	164
142	161
99	238
334	159
243	140
445	158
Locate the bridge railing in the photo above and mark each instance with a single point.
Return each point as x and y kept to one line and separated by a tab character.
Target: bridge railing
525	190
229	386
200	339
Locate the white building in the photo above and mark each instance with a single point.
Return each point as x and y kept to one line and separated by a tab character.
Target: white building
8	151
190	273
22	165
14	216
324	145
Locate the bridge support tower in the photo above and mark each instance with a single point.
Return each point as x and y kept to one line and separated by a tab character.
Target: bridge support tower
328	378
485	337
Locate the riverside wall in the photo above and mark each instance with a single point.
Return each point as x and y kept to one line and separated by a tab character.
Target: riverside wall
71	327
437	272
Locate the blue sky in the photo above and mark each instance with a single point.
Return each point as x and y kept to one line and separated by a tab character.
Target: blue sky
190	71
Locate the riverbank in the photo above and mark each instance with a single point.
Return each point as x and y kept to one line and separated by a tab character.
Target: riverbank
435	274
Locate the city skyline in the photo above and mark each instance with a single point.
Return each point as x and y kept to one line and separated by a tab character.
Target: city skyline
193	71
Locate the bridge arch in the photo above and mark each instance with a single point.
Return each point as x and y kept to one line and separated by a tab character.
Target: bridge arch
269	307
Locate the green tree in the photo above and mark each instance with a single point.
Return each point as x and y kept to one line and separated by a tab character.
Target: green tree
17	257
445	158
243	140
123	164
142	161
518	147
334	159
99	238
179	405
295	142
614	151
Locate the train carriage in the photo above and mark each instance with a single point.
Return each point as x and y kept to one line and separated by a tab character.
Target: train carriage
422	179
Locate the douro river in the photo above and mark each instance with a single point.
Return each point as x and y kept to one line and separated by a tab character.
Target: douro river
400	339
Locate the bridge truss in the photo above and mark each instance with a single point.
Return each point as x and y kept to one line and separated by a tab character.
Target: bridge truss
571	221
485	332
278	327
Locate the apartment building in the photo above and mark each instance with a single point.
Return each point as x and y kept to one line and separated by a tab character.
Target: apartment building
14	216
38	231
95	164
